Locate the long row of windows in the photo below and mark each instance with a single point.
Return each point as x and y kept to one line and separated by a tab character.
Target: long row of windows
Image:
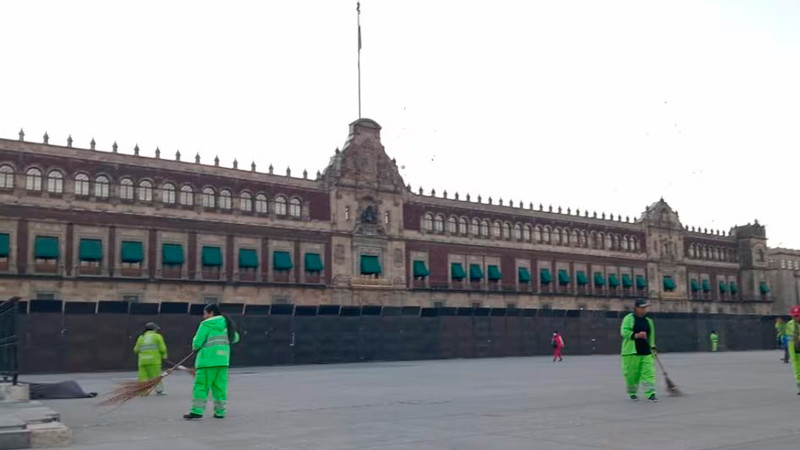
524	232
144	192
712	253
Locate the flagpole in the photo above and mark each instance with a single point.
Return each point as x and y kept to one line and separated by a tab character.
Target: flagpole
358	9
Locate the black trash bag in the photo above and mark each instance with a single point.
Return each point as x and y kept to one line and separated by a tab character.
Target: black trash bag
62	390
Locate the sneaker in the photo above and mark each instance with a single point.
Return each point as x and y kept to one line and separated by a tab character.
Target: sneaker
217	416
192	416
652	398
634	397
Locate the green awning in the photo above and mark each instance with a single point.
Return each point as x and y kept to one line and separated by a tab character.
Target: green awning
46	247
599	281
563	277
669	283
457	272
613	281
370	265
313	262
723	287
695	286
626	280
132	252
544	275
641	282
172	254
5	250
282	261
706	286
581	278
90	250
420	269
764	288
493	273
524	275
248	258
475	272
734	288
212	257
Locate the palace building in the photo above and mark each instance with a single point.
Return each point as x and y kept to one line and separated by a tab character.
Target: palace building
80	224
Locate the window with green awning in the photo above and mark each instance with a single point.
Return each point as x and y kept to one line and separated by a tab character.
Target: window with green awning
764	288
544	275
599	281
457	272
524	275
613	281
706	286
282	261
475	272
733	287
695	286
641	282
563	277
172	254
46	247
723	287
131	252
211	256
626	280
90	250
5	248
420	269
370	265
313	262
248	258
669	283
580	277
493	273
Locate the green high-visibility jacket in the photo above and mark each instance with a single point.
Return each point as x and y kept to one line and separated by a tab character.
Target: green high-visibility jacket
780	329
626	331
212	344
793	332
151	349
714	337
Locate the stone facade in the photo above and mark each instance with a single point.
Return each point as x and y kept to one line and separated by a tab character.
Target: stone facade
76	219
784	276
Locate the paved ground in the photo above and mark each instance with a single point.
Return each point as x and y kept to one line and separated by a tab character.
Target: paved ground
734	401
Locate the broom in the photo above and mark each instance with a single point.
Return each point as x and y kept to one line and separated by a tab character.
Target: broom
128	390
671	387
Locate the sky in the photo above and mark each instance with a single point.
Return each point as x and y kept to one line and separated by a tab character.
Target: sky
605	106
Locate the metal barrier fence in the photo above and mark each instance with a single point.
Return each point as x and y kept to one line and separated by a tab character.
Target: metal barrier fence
8	340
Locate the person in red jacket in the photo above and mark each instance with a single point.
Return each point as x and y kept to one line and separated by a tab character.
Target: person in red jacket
558	343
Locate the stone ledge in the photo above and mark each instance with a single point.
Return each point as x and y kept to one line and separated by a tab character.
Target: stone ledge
51	434
14	393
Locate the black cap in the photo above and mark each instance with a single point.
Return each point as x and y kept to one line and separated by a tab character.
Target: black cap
642	303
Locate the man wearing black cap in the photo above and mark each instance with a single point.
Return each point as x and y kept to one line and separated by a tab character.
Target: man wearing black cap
638	345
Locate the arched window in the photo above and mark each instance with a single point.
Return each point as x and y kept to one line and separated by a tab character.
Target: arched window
537	234
475	227
209	198
485	228
261	204
187	195
427	222
438	224
82	184
517	231
295	207
246	202
33	179
145	193
126	189
526	233
452	225
614	242
6	177
55	182
168	194
601	241
496	229
506	231
582	242
546	235
557	235
627	243
608	242
462	225
635	244
280	205
225	199
101	186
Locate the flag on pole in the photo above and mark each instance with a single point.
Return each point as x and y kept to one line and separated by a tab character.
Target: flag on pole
358	9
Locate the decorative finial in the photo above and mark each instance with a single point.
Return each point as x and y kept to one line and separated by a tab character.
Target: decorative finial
21	135
569	211
235	163
69	141
216	161
92	144
394	161
550	208
627	219
578	212
253	166
468	197
456	195
500	201
490	200
586	213
158	153
603	216
271	169
420	190
479	198
305	174
337	150
530	206
319	175
46	138
444	194
136	150
197	158
433	192
288	171
408	187
559	210
611	217
594	214
541	207
114	147
178	155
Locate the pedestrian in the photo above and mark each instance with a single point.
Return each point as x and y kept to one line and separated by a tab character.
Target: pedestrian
557	342
793	343
212	342
151	350
638	347
714	341
780	332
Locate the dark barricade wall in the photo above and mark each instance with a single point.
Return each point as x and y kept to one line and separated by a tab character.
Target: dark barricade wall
57	336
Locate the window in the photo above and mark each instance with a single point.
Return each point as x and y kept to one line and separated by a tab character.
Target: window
517	232
209	198
546	237
261	204
496	227
6	177
33	180
427	222
295	207
55	182
82	185
558	236
452	225
438	224
760	255
246	202
346	213
582	239
386	218
168	194
526	233
507	231
126	189
462	226
225	199
187	195
145	191
280	205
485	228
537	234
635	244
783	264
101	185
575	239
474	227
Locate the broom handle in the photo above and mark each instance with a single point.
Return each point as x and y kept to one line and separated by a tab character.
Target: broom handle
660	365
180	362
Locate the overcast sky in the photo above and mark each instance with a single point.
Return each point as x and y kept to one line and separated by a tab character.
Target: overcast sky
606	105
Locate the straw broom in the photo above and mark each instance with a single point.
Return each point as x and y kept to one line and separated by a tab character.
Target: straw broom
128	390
671	387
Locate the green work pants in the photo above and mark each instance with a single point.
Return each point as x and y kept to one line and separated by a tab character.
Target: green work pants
639	369
714	346
216	380
150	371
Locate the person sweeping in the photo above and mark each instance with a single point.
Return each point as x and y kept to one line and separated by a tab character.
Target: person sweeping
714	340
151	350
212	342
638	346
793	343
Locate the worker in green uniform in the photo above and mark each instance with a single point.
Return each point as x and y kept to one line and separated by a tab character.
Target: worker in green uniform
638	347
151	350
793	343
780	332
212	342
714	341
